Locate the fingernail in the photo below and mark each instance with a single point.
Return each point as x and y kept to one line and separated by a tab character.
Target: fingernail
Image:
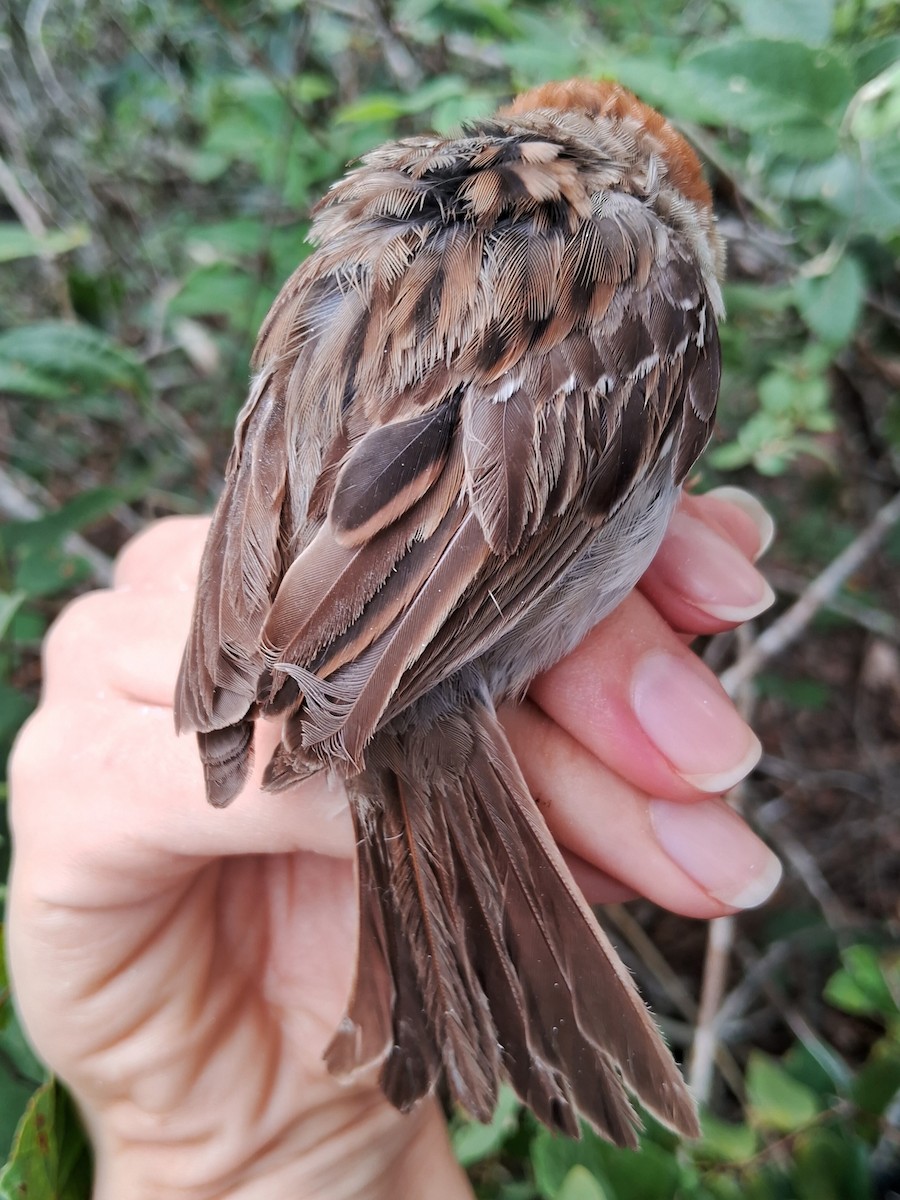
712	844
691	721
750	507
709	572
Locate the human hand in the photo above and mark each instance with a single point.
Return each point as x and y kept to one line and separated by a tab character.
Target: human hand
182	968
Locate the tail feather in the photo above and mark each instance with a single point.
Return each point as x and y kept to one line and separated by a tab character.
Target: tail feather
478	954
550	1061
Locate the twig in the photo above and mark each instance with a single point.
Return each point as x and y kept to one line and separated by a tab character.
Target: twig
16	506
874	620
786	772
633	932
28	213
34	22
20	202
807	870
783	632
750	985
719	943
706	1037
399	60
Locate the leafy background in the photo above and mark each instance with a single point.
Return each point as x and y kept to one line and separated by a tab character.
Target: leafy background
158	163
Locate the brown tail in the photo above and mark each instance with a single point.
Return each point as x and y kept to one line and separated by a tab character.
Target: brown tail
478	955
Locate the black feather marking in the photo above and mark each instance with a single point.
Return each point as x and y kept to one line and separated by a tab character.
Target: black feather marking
389	470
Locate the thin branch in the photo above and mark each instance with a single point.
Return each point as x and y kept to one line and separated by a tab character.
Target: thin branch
791	624
705	1049
719	944
644	947
874	620
20	202
808	872
34	35
29	214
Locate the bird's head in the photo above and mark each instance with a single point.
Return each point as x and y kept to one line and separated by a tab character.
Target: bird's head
615	110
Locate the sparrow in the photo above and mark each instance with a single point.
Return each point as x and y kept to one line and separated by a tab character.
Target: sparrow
473	410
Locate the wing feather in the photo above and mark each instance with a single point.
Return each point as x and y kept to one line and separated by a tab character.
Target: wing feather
446	463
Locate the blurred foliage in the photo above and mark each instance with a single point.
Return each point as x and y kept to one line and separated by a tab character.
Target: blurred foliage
810	1124
158	164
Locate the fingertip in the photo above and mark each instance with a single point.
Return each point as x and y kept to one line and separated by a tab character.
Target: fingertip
739	515
715	847
702	579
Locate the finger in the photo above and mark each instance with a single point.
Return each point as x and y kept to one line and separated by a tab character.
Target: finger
738	515
702	579
697	859
126	642
637	698
127	804
165	554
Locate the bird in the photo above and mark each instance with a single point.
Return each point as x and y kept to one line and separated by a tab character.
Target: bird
474	406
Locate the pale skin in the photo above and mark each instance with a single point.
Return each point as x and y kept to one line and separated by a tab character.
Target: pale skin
182	968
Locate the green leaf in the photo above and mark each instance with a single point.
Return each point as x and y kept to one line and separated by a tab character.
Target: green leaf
14	708
218	290
10	602
878	1082
50	1156
14	1096
867	985
726	1143
757	83
775	1100
227	240
554	48
554	1156
797	693
875	110
371	109
66	362
42	567
473	1141
831	304
817	1064
43	532
806	21
17	242
830	1164
652	1173
16	1052
580	1184
387	106
862	192
49	572
473	105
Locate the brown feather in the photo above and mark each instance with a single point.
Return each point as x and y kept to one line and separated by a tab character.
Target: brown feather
476	402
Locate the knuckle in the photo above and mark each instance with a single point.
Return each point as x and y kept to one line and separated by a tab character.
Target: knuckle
77	626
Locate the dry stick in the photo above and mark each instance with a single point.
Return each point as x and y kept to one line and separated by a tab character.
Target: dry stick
719	941
791	624
34	36
706	1049
874	620
29	215
780	634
